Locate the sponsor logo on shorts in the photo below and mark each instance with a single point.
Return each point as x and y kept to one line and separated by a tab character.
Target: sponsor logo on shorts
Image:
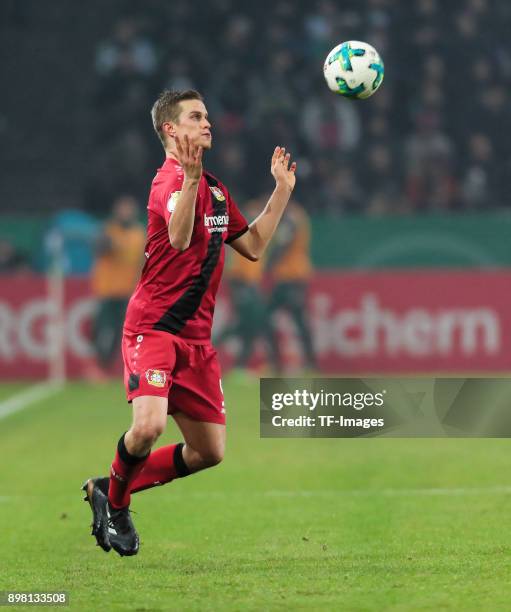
218	193
156	378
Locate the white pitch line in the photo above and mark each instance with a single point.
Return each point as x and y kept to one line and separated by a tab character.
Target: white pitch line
33	395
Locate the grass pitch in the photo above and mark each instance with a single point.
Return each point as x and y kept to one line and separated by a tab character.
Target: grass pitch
311	524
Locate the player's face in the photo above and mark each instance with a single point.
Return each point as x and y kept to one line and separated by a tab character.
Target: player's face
193	121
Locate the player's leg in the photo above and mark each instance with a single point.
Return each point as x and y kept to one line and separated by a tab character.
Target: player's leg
196	402
163	464
197	388
196	394
149	422
204	442
149	360
133	449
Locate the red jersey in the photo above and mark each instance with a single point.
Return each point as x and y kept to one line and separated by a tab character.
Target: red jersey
177	289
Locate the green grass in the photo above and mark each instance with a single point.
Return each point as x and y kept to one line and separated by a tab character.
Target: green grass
313	524
9	389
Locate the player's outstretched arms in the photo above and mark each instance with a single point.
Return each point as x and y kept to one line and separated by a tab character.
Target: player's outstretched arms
283	173
181	221
253	243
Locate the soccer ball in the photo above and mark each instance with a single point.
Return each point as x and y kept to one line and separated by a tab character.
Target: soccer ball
353	69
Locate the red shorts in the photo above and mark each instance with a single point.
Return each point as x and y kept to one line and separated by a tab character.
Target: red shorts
158	363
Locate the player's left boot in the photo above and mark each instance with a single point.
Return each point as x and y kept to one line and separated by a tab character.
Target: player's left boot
121	532
98	502
102	483
126	542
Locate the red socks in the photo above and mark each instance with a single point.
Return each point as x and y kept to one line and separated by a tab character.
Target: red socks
164	465
130	474
158	469
125	468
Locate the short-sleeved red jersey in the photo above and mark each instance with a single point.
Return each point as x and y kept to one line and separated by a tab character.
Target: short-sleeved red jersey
177	289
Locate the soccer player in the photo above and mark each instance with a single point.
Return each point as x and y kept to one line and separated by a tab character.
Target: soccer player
170	366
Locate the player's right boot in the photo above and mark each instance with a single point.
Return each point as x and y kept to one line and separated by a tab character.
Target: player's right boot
121	532
99	505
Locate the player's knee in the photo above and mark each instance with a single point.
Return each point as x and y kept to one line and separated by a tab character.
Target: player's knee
147	432
212	457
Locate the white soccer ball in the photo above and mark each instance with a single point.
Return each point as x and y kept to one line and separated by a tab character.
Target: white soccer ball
354	69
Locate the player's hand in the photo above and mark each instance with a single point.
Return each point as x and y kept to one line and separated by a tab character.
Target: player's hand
283	173
190	157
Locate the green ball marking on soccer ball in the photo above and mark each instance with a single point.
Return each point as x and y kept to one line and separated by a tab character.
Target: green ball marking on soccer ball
344	55
380	70
344	90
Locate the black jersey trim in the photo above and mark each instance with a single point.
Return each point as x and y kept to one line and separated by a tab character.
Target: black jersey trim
237	235
177	316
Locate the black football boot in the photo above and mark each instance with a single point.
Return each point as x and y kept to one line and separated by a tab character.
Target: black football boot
98	501
122	534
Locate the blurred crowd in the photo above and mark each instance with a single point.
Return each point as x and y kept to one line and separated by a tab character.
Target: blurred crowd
432	139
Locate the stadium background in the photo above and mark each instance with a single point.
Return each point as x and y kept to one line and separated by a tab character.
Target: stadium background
408	197
416	178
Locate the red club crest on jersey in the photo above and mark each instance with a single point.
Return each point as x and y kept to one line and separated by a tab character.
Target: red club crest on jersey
156	378
218	193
